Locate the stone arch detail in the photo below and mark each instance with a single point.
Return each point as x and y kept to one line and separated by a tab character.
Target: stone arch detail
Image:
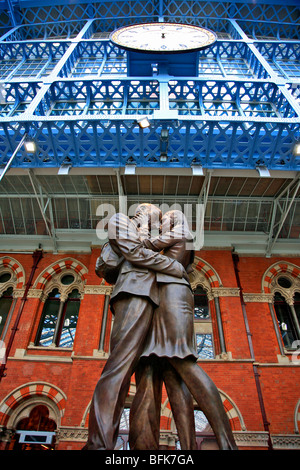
233	413
30	390
204	275
276	269
16	268
85	417
58	267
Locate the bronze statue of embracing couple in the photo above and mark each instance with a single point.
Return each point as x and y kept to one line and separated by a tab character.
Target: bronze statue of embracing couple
152	335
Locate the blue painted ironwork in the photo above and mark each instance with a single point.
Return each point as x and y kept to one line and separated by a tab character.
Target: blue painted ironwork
116	13
284	58
234	105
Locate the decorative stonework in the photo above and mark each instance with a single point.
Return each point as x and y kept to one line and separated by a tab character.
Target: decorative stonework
286	441
17	276
286	292
51	278
57	269
207	272
277	270
251	438
205	276
168	438
96	290
36	294
9	264
259	297
75	434
225	292
42	294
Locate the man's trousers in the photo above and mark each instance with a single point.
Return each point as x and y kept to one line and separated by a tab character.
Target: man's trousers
133	316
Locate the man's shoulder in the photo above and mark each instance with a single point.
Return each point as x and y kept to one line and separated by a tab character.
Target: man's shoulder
120	226
119	216
119	219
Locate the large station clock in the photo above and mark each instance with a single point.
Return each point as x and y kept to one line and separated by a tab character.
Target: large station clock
163	37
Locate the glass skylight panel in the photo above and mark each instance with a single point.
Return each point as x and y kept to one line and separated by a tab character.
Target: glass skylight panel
7	66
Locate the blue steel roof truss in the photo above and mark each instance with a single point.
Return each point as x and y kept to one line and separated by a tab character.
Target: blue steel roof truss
80	96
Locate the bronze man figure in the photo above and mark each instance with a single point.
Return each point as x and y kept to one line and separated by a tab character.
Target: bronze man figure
133	299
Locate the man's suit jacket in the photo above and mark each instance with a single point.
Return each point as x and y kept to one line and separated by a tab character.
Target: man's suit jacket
138	272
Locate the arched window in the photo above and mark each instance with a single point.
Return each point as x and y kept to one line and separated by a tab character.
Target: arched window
285	289
203	325
288	317
35	432
282	280
5	305
59	320
8	282
201	309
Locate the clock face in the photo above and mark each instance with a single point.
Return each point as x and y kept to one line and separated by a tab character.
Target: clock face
163	37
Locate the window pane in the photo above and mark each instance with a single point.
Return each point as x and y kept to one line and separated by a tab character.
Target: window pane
70	321
5	277
285	321
67	279
201	310
204	346
5	304
122	441
201	422
49	319
124	423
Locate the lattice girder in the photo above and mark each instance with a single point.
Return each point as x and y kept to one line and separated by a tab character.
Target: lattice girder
112	13
71	88
114	143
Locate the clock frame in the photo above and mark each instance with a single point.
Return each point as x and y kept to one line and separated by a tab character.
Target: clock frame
163	38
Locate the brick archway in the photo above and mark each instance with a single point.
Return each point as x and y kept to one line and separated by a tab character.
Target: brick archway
57	267
233	413
32	389
16	267
274	270
208	272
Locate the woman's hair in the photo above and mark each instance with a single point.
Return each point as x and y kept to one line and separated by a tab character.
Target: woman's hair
176	221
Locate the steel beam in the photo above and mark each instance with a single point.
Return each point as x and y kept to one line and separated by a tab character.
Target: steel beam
40	194
282	206
122	197
10	161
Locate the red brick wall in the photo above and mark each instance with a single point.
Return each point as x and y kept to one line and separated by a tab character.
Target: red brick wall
78	377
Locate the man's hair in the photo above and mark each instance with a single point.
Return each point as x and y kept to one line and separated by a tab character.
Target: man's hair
151	210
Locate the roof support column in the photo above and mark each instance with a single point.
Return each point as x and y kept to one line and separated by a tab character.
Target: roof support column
122	197
49	221
284	207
